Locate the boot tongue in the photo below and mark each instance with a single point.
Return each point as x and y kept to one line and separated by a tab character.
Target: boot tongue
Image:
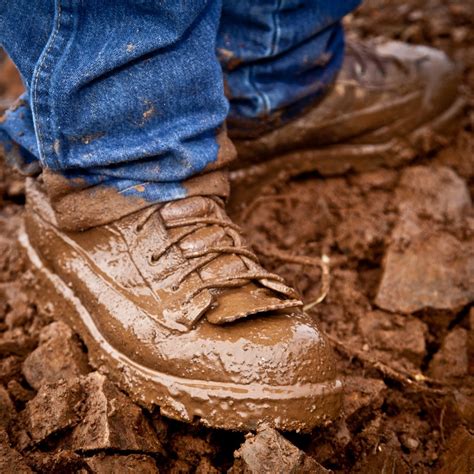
247	300
230	304
195	206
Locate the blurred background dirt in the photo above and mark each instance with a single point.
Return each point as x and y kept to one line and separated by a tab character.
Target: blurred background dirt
399	312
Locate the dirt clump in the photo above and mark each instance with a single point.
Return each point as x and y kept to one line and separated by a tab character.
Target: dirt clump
451	360
131	464
459	458
431	248
57	357
10	459
399	313
54	408
269	452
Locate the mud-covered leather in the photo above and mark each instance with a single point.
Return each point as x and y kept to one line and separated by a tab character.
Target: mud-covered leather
384	90
136	310
150	255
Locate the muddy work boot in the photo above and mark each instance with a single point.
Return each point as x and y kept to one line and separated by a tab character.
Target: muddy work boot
176	309
390	102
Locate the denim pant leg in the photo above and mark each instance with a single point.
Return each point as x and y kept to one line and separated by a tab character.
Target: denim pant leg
278	56
123	94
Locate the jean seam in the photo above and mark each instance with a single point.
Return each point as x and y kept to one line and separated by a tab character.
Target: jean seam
35	81
263	97
276	28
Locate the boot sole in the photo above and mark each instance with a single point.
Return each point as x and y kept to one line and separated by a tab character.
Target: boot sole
332	160
214	404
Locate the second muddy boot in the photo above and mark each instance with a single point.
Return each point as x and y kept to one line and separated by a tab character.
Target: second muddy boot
175	308
390	102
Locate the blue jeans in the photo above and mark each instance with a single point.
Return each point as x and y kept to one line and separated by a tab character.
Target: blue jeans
130	95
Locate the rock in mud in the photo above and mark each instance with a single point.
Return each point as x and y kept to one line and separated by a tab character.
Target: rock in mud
58	357
19	310
131	464
15	342
10	459
426	265
55	407
19	393
7	410
432	271
383	461
459	458
403	335
464	402
362	396
111	421
269	452
191	449
56	462
205	467
10	368
452	358
437	193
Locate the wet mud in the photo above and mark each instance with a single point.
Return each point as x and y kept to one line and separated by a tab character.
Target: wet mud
398	310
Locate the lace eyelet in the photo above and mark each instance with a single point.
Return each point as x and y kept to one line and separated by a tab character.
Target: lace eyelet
152	259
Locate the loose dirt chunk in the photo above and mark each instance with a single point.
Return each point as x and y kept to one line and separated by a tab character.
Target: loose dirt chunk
15	342
269	452
55	407
57	462
131	464
430	260
437	193
205	467
7	410
459	458
58	357
111	420
427	271
403	335
464	402
452	359
191	448
10	459
10	368
363	396
383	461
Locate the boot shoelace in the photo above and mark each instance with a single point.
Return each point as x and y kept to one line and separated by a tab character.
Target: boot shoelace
206	256
363	53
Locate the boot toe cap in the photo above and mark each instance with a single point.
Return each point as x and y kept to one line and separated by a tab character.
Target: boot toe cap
278	349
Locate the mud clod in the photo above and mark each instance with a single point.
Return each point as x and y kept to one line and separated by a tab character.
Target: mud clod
55	407
269	452
459	458
427	249
391	333
58	357
363	397
451	360
111	421
10	459
131	464
385	460
7	410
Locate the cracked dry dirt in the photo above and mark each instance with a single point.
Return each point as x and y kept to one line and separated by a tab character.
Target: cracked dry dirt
399	312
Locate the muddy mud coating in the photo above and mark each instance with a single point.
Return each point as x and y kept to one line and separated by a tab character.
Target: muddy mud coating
405	345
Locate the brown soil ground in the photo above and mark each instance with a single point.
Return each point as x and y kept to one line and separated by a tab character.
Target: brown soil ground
399	312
